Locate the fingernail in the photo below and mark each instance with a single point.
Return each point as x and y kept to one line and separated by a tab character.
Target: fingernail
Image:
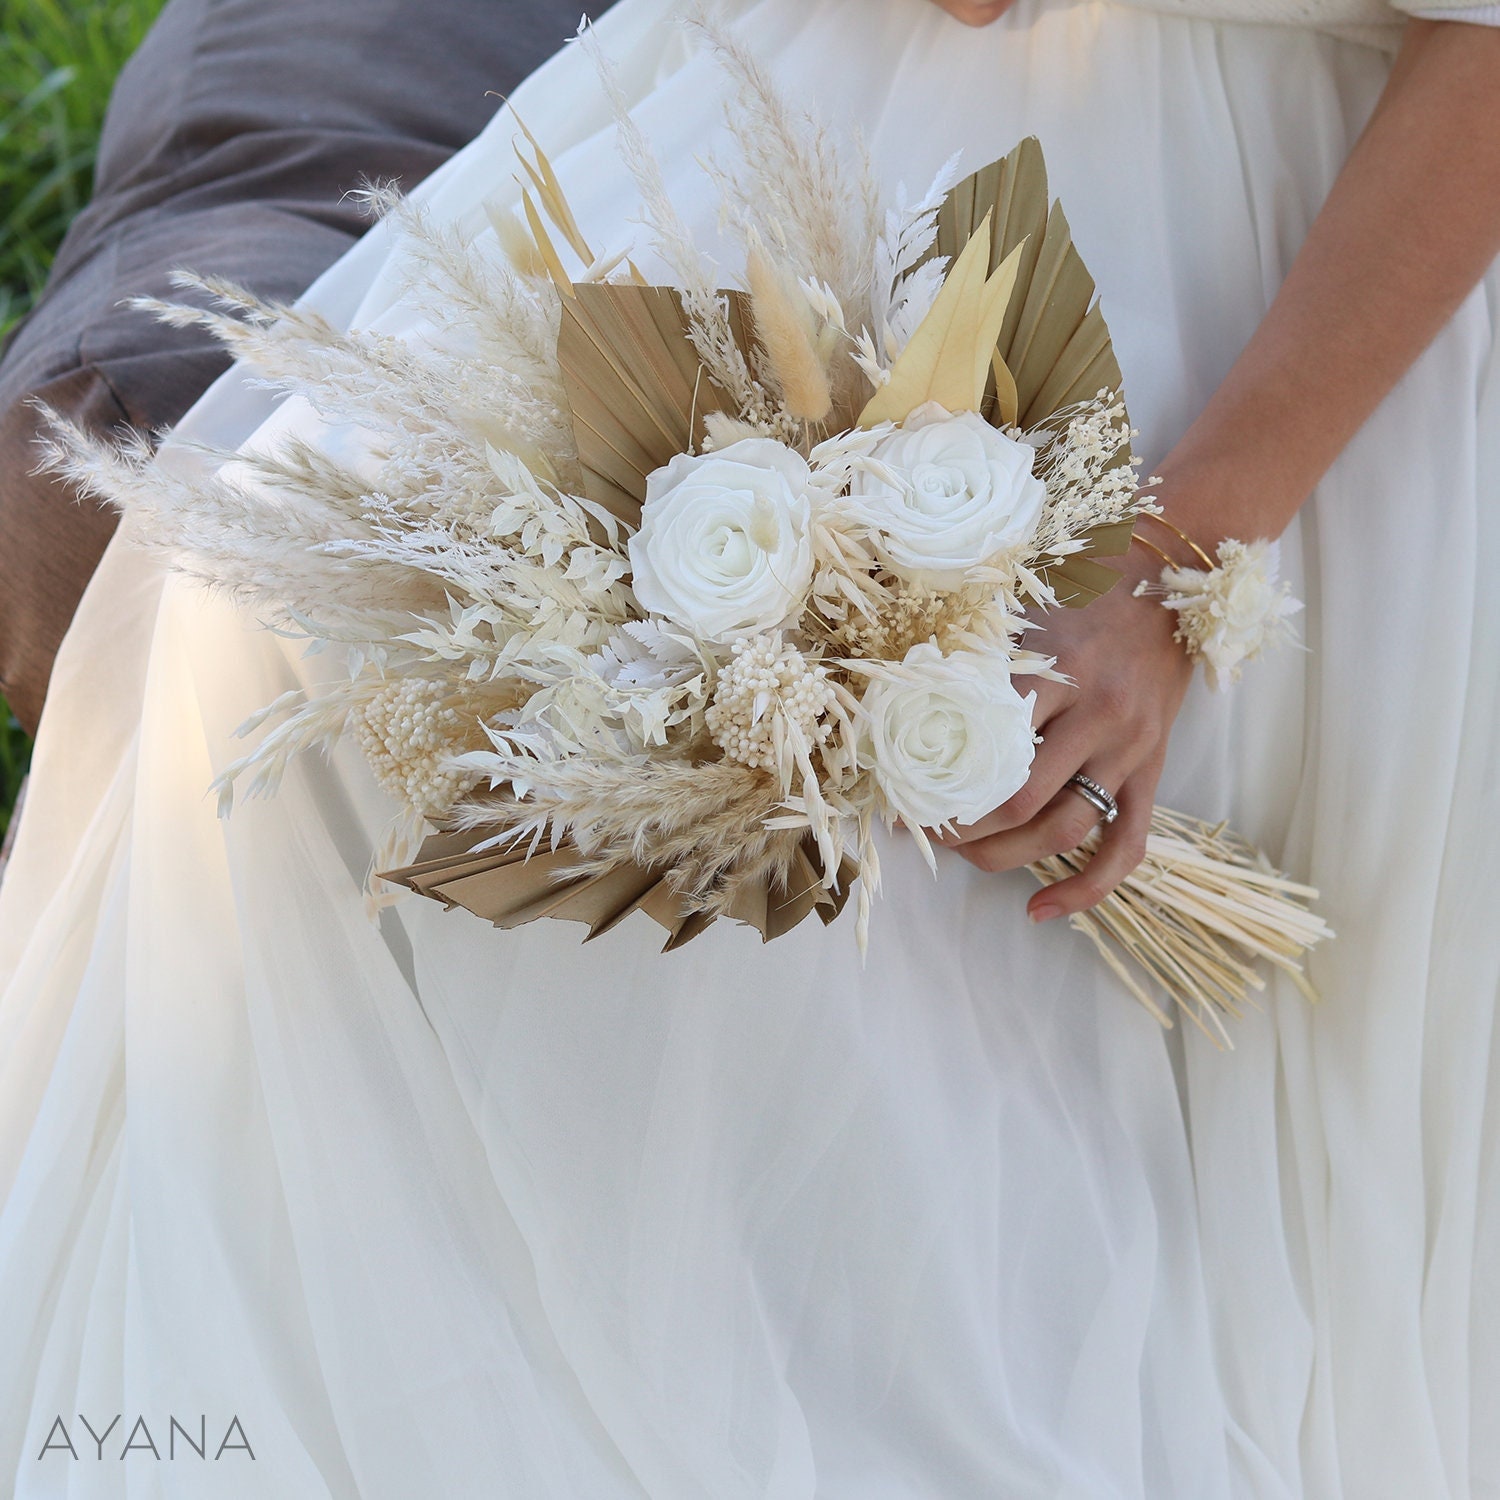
1044	913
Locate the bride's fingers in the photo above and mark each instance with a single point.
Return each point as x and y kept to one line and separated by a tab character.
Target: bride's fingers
1122	846
1070	742
1062	824
1051	699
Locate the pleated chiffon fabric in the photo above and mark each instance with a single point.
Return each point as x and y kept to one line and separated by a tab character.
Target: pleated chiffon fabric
440	1211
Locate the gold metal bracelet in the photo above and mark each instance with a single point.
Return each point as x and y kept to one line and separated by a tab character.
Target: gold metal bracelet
1208	562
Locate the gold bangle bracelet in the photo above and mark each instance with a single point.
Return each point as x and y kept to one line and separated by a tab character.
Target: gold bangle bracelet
1182	536
1170	561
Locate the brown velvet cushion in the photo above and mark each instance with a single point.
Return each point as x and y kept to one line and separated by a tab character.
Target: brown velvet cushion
232	141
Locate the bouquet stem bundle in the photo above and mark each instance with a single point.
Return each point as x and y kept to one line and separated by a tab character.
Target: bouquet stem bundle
1193	919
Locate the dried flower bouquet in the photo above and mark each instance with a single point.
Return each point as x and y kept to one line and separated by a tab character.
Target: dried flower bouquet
662	598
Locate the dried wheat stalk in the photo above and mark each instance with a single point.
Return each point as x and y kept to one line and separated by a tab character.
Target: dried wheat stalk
1193	919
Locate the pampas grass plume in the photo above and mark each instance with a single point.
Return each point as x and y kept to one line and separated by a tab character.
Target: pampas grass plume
789	349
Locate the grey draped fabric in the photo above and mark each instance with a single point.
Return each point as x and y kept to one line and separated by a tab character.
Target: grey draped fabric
232	142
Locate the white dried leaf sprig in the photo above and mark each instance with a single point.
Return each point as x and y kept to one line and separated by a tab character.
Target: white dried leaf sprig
692	271
408	540
798	188
904	285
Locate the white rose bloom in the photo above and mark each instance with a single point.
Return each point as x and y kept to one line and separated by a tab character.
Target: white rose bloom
944	492
723	547
948	738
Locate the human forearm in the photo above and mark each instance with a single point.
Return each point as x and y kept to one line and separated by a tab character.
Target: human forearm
1410	226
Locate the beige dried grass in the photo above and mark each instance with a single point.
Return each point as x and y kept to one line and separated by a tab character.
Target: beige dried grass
1194	920
787	341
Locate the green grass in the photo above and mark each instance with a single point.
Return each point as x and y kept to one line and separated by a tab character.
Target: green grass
58	61
15	756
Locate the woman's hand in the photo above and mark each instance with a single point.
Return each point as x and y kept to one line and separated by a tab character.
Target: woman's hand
1129	678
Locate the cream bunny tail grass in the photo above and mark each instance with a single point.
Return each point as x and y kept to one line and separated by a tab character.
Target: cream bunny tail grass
1193	919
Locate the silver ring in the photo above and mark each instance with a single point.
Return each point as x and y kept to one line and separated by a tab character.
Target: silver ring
1094	794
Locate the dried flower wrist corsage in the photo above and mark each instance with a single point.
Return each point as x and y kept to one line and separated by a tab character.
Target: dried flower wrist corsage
1230	609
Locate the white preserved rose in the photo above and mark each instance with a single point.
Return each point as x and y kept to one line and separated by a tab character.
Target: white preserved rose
723	547
945	491
947	738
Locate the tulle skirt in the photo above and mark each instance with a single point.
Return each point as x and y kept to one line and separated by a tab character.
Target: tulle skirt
434	1210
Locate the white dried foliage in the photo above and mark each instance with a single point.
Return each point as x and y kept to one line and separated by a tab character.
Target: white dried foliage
461	285
1228	615
1079	460
435	542
904	285
711	824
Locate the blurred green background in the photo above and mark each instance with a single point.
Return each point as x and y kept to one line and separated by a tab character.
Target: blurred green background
58	60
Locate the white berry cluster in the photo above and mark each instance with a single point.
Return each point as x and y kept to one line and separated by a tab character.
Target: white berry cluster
911	614
407	731
765	684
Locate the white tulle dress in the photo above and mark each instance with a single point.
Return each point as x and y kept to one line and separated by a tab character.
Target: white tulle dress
439	1212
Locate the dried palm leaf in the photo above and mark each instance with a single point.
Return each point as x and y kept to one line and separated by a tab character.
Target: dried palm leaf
509	886
1077	579
638	392
1053	348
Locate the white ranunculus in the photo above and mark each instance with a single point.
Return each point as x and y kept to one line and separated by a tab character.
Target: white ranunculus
945	491
723	547
948	738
